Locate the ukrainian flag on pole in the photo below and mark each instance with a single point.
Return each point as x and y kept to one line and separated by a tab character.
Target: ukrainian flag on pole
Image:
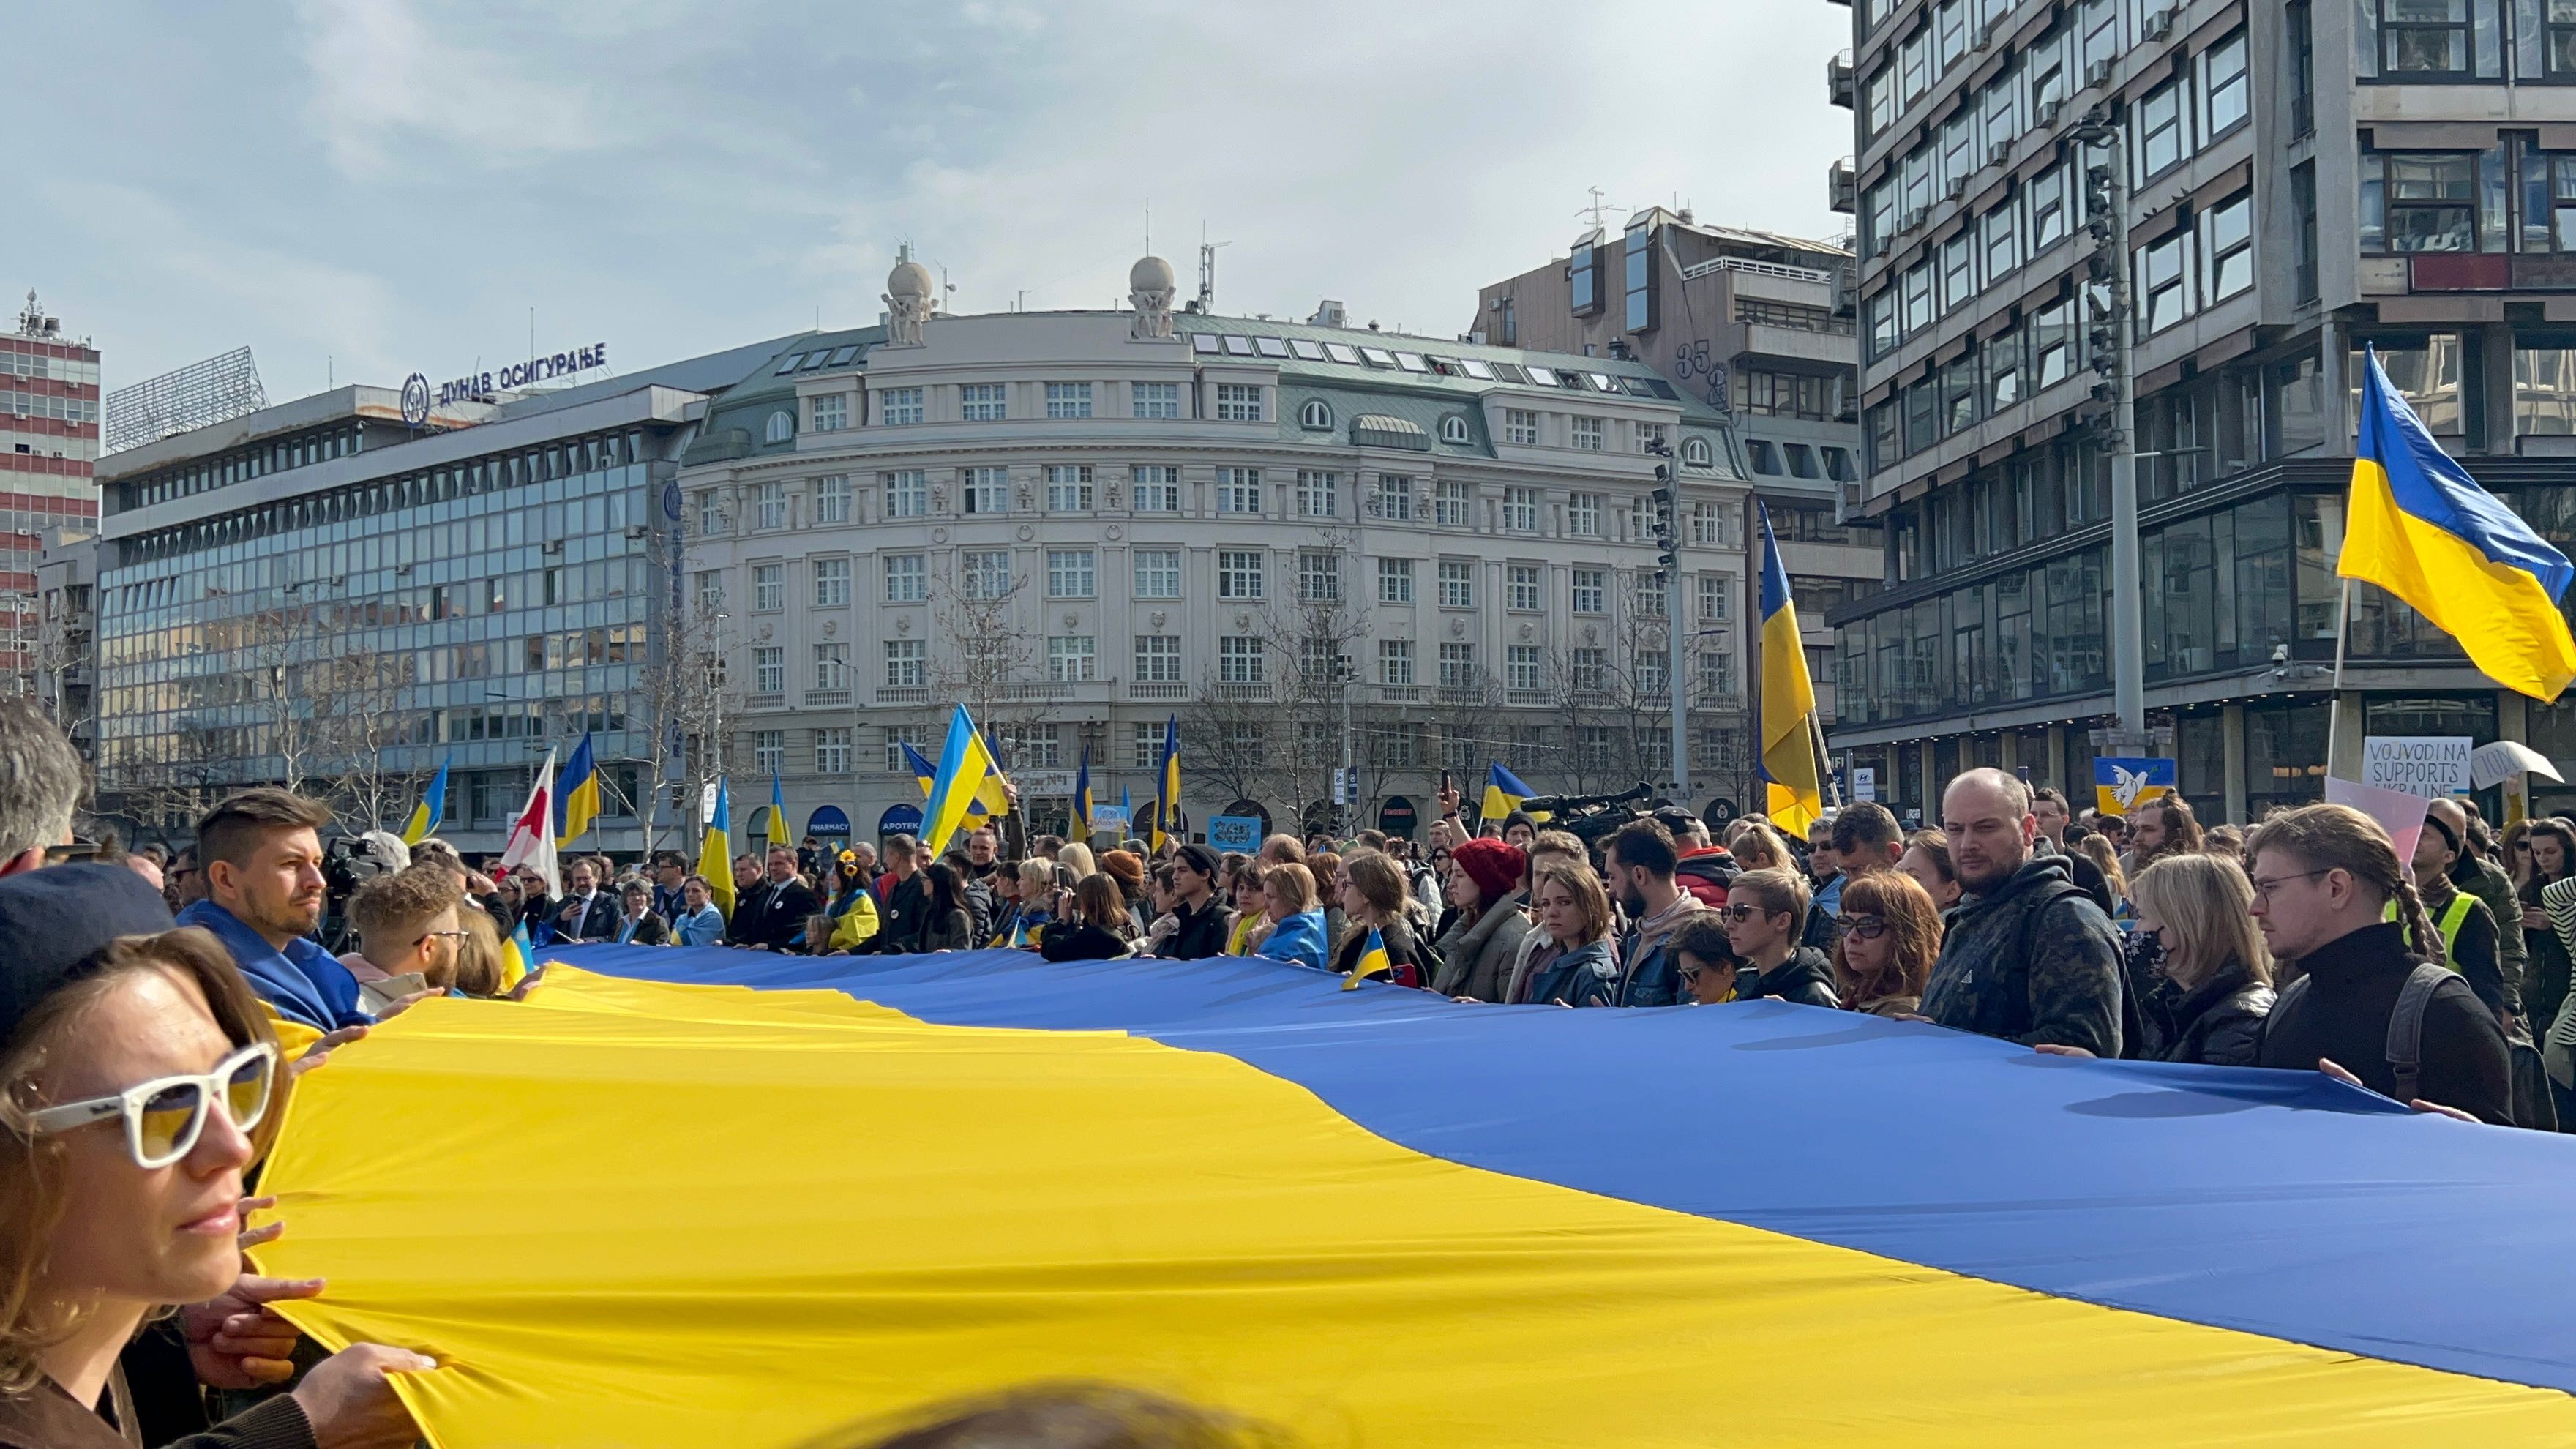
577	795
1504	792
925	774
967	773
1167	812
715	852
431	809
777	811
2420	527
1794	789
1082	797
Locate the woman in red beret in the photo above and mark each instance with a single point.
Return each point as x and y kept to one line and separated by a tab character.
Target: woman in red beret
1485	932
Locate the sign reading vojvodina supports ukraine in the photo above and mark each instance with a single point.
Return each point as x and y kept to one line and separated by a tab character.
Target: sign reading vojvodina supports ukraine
2427	765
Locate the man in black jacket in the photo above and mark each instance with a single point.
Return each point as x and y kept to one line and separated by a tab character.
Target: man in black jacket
2048	808
906	906
773	917
587	913
2323	878
2026	956
1202	924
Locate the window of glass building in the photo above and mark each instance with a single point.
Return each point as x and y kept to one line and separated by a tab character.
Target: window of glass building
2419	201
1639	277
2227	232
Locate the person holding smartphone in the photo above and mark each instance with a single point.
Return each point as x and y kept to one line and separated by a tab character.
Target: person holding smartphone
1101	927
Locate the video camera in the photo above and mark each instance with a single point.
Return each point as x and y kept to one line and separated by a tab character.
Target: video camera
1592	818
348	863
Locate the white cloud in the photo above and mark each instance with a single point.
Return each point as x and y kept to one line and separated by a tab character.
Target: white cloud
390	88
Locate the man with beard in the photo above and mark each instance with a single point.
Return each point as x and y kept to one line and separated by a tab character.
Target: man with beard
262	853
1638	869
2027	957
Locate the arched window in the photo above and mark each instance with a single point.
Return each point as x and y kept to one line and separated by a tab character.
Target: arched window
1695	453
1453	429
782	426
1317	414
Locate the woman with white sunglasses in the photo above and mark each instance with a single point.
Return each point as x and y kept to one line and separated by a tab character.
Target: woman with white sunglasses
137	1081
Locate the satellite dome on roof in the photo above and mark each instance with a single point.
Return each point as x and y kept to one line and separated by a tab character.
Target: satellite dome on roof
1150	289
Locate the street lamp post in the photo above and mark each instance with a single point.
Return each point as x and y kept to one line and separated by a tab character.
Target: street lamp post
1667	502
2114	336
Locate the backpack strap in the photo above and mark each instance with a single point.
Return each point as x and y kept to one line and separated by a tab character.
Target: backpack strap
2406	1024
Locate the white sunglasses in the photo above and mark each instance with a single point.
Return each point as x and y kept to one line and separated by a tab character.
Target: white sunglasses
165	1116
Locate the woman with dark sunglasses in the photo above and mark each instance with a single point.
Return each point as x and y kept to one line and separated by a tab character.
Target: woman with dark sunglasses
138	1080
1891	935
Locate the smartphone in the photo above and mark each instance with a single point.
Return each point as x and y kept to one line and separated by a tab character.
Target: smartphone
1445	786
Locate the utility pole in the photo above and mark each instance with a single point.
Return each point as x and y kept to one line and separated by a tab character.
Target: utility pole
1350	791
1668	538
2114	336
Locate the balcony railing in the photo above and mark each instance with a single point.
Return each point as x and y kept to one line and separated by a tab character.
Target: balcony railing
1157	691
827	699
1399	693
1256	690
764	701
904	694
1838	80
1040	692
1526	696
1842	187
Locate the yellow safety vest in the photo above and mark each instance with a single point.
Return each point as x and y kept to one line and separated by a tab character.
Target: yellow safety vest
2453	917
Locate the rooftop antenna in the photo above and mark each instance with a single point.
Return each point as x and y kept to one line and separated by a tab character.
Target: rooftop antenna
947	291
1598	207
1207	270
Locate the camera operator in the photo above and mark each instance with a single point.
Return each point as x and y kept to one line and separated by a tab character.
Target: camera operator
262	854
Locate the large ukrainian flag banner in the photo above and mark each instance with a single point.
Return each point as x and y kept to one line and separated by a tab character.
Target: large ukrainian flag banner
1795	796
744	1216
2421	528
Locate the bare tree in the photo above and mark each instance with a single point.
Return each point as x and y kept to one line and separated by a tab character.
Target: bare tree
361	724
689	694
983	650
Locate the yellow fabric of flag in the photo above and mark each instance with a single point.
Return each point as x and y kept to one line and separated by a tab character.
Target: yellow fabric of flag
631	1214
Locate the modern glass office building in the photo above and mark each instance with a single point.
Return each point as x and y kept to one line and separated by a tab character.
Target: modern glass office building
322	595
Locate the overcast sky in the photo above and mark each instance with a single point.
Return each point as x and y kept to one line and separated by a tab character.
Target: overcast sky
374	187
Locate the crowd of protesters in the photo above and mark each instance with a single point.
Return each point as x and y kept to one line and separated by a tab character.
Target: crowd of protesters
168	1000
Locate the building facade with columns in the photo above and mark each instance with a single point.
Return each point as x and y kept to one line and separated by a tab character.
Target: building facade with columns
1302	542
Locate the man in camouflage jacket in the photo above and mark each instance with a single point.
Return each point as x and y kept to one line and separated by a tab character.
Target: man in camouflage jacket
2027	956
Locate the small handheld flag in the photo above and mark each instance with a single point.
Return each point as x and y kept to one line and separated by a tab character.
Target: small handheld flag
715	852
532	834
577	795
777	812
431	809
1504	792
2420	527
521	962
1373	959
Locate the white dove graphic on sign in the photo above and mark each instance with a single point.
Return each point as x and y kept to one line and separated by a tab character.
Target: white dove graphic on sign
2127	785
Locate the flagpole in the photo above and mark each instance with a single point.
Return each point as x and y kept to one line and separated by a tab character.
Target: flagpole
2334	700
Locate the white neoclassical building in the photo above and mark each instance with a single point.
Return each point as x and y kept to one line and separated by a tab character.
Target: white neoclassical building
1303	542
